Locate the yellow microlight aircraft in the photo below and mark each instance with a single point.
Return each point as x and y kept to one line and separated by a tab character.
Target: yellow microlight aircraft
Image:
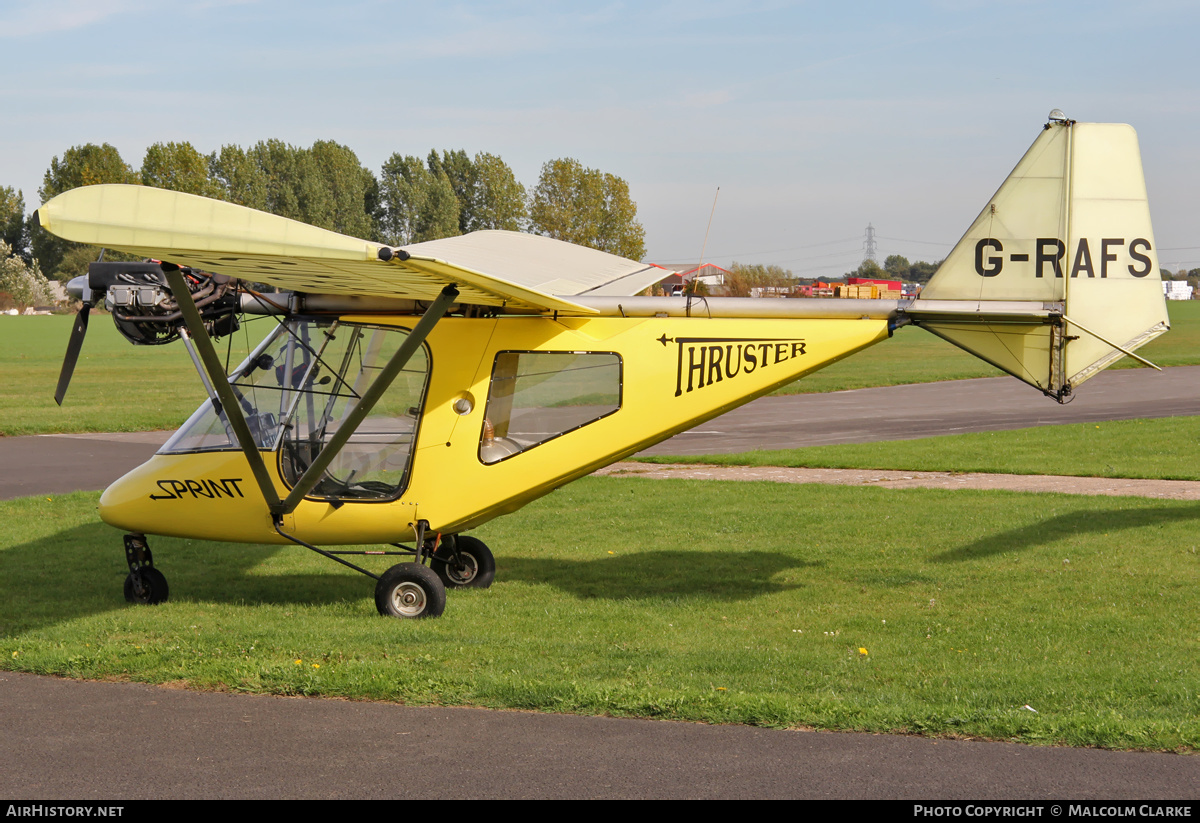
408	395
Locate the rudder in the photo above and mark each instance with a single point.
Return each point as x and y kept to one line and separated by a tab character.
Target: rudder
1058	276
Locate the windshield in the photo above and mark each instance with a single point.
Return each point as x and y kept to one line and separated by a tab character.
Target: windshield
297	388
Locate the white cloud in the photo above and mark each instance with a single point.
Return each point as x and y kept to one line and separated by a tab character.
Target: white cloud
62	15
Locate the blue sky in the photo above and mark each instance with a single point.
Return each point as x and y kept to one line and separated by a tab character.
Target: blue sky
812	118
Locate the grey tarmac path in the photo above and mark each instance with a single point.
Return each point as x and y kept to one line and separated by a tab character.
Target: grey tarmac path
122	741
930	409
1107	486
68	739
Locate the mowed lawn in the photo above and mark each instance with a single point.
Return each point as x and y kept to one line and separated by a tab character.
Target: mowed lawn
117	386
1165	449
1034	618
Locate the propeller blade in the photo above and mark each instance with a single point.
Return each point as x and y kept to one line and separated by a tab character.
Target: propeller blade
73	347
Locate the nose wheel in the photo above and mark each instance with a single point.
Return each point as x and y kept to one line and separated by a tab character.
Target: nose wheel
144	584
147	587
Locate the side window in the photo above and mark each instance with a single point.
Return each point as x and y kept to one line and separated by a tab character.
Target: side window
340	363
538	396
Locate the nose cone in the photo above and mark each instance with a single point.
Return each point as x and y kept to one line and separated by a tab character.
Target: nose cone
209	496
126	503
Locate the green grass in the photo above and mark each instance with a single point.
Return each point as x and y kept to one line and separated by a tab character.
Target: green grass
117	386
716	602
915	356
1165	449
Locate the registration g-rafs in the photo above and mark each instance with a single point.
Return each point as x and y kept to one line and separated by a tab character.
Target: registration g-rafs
406	395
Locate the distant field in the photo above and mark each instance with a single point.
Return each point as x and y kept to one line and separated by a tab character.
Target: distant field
121	387
1047	619
915	356
117	386
1164	448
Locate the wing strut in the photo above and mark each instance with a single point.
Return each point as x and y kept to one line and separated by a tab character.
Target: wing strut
381	383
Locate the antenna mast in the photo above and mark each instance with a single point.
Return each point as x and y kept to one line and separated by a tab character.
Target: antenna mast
704	246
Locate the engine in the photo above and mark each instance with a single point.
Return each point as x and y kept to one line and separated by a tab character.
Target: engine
147	314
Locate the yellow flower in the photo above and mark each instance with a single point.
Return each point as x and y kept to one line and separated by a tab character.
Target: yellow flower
861	650
316	665
297	661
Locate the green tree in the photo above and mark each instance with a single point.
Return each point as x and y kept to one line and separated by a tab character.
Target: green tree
85	165
488	194
349	192
499	201
22	282
178	167
460	173
237	178
920	272
416	204
897	267
323	186
13	229
743	278
283	174
869	269
586	207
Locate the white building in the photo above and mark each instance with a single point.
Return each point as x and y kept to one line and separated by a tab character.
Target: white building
1177	290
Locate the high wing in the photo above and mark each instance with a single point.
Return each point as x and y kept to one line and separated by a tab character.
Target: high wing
490	268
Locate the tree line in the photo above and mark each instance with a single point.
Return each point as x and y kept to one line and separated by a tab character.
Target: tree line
896	267
411	200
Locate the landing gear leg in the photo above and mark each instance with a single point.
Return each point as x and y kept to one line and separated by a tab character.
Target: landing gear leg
405	590
145	584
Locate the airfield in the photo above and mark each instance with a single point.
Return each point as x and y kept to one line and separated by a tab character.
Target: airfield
179	744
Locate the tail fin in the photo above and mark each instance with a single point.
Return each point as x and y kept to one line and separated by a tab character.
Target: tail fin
1058	276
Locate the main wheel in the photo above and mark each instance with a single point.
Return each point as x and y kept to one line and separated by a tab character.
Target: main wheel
410	590
476	568
154	588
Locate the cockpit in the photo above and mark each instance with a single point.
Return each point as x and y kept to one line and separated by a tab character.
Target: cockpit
298	387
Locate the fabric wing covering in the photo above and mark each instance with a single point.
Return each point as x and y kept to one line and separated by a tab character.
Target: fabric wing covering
490	268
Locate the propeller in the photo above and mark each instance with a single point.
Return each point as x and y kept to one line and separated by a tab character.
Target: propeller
73	347
143	308
75	343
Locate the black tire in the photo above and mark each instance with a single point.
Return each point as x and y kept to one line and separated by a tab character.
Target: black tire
410	590
154	588
477	569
